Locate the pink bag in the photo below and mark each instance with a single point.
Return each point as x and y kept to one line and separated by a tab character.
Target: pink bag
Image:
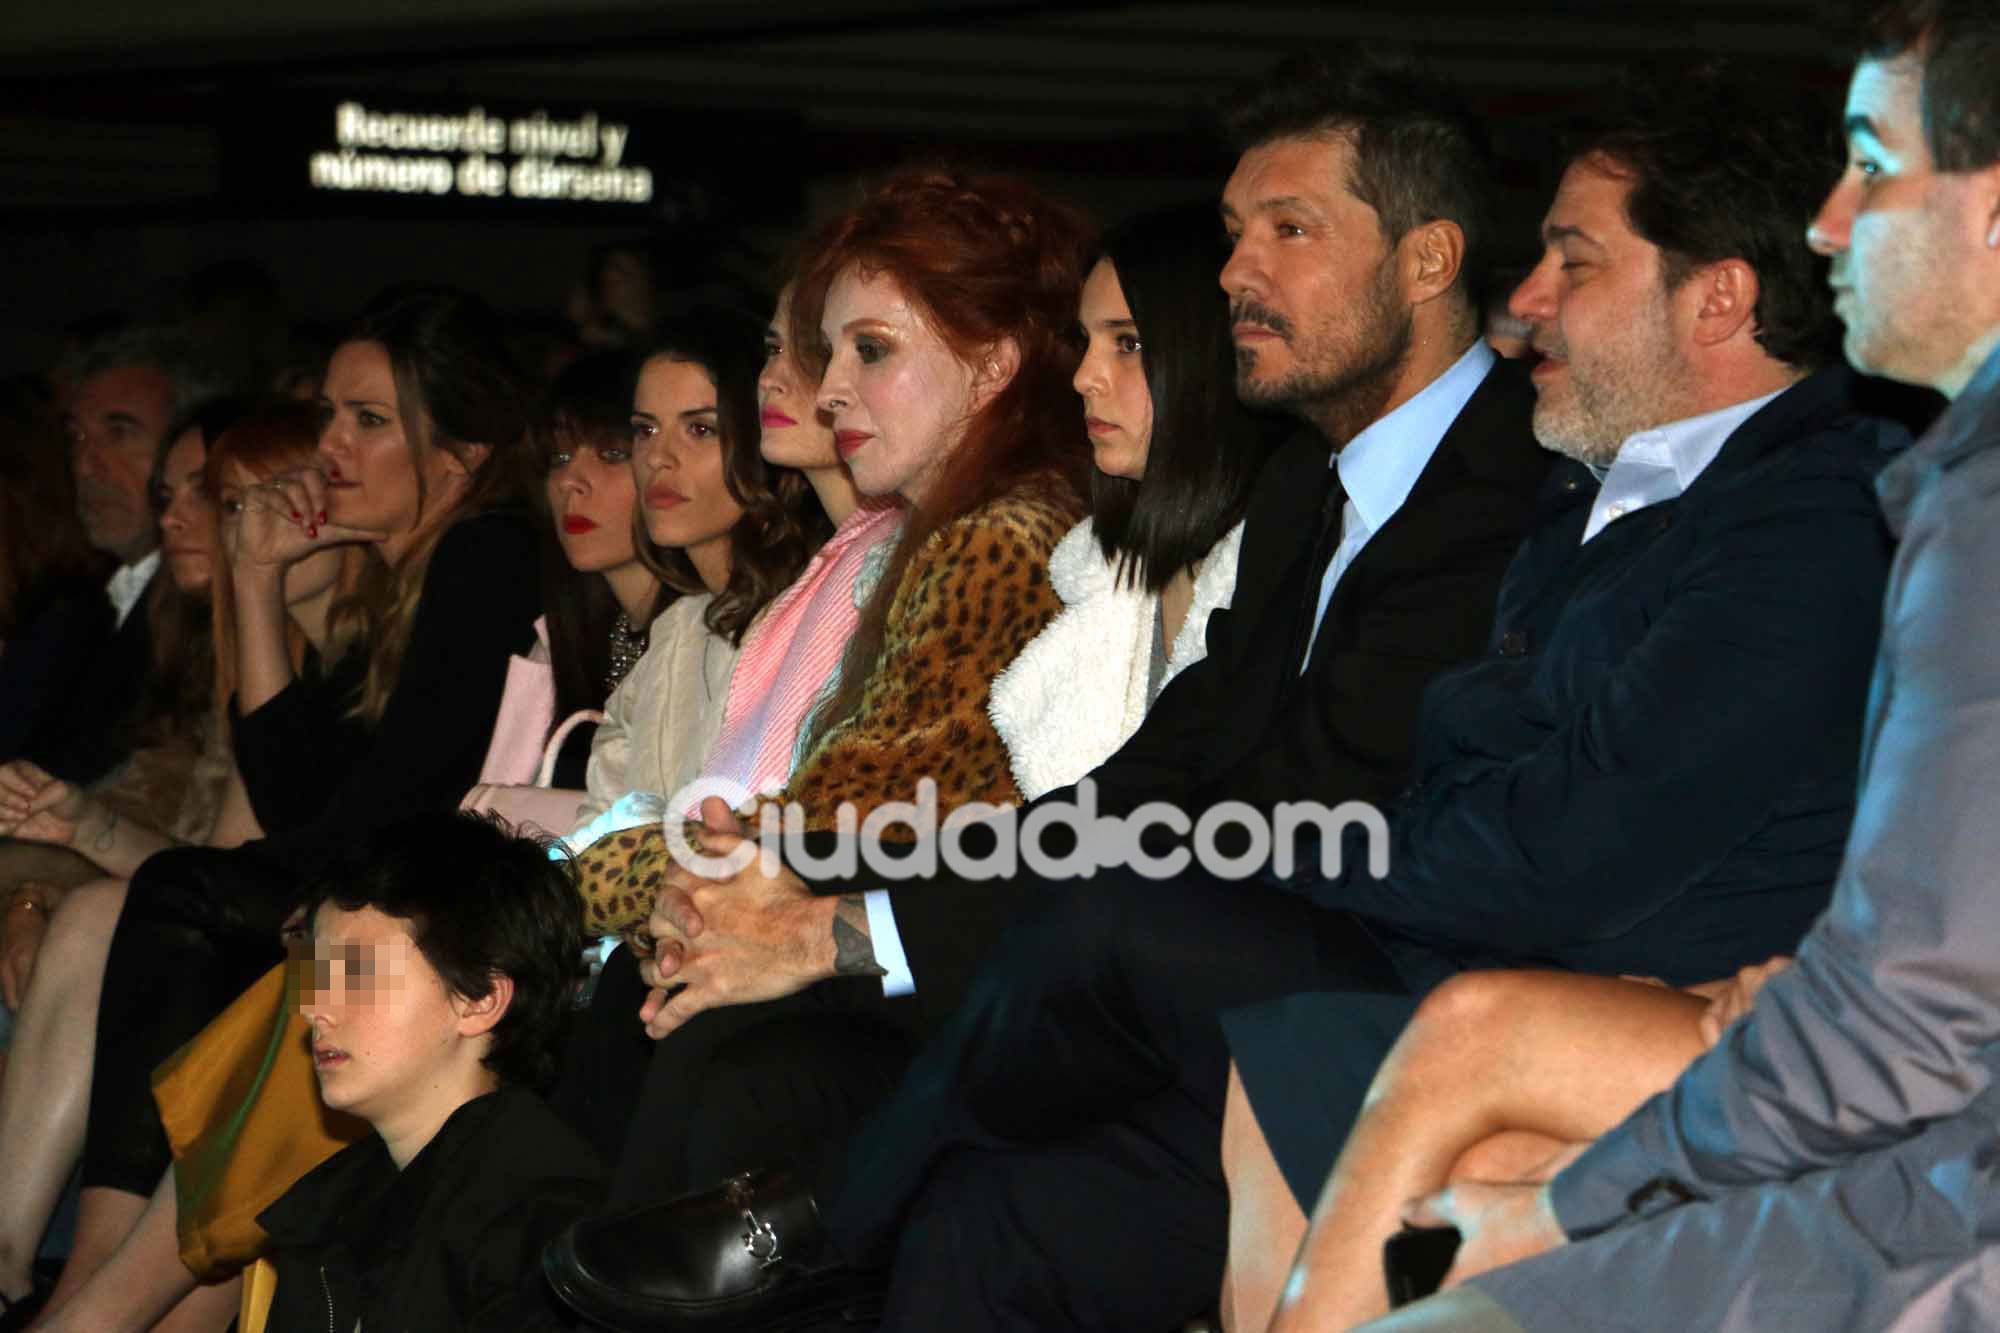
527	710
540	809
514	781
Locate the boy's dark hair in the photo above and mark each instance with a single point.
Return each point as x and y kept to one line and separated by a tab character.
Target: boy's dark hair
1420	155
479	901
1206	447
1730	160
1959	41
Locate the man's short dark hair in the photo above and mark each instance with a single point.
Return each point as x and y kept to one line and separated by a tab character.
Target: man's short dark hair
1730	160
1419	153
1959	41
479	901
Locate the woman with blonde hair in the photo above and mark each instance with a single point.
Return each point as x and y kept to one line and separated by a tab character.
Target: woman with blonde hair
422	462
41	1104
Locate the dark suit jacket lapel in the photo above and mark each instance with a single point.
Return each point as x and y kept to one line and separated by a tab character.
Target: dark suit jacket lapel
1482	421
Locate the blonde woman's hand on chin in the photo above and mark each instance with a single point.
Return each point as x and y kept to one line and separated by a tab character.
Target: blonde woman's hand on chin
284	520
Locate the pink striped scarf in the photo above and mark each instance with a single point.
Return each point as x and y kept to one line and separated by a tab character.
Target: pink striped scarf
791	652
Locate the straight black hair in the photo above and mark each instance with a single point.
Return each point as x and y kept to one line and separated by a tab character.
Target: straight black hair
1206	447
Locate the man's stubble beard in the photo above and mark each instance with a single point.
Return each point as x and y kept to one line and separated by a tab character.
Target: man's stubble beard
1344	373
1641	381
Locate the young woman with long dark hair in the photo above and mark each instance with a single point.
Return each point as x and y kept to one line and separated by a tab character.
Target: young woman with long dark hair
1176	454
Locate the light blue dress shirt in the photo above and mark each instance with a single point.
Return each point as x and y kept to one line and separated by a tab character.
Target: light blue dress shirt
1378	468
1661	463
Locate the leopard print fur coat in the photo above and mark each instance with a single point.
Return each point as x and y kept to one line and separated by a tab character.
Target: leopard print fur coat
967	603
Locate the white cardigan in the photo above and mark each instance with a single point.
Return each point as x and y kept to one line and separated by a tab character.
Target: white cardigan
663	717
1078	690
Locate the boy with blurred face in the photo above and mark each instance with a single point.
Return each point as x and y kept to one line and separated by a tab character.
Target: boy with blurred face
444	960
1831	1163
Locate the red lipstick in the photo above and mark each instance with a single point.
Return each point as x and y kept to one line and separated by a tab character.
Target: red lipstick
847	441
772	417
577	524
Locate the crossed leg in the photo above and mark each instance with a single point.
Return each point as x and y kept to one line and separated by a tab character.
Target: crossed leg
1497	1071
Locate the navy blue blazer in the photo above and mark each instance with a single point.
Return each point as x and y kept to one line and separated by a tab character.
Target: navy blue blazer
1653	769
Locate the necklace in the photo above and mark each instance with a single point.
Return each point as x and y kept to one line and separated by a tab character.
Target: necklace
628	644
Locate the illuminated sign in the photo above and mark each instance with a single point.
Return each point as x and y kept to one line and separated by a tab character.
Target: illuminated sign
479	156
405	153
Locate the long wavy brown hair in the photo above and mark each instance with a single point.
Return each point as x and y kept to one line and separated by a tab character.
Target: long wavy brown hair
985	260
782	523
457	389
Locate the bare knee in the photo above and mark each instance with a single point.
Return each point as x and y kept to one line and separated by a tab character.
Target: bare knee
1474	1001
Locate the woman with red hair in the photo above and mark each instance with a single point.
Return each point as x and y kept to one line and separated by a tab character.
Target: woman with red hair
937	315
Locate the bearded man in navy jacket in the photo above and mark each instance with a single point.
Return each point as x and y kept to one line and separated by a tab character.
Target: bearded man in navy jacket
1652	771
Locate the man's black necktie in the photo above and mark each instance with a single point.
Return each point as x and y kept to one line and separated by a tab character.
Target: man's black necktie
1326	540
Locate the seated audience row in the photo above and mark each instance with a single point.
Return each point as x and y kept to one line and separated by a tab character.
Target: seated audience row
1577	743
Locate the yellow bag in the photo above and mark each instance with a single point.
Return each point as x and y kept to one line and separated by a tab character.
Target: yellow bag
242	1110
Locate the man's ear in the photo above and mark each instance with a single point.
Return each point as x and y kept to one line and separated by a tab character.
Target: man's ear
478	1017
993	371
1432	255
1725	295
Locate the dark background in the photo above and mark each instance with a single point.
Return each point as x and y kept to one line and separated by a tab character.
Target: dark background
142	140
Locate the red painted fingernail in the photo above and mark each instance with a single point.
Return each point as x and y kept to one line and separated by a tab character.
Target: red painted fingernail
312	532
322	517
295	516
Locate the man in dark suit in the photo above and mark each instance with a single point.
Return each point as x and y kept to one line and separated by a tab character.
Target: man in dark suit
1652	771
1373	549
131	387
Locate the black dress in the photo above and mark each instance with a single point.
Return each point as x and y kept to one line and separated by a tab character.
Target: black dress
200	924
